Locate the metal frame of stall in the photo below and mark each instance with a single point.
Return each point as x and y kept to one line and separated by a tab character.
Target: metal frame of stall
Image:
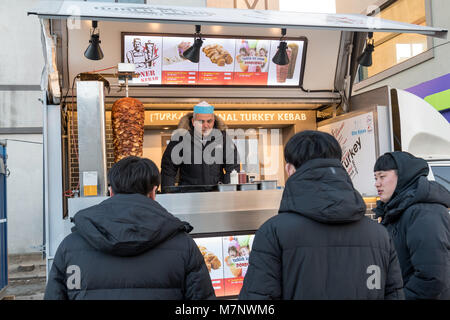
3	221
353	28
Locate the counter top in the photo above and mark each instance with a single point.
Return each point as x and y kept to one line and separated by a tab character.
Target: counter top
210	212
223	222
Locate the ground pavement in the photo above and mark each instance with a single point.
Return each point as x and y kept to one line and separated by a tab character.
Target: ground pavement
26	277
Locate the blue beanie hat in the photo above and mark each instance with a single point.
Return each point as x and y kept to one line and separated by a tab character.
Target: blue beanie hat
203	107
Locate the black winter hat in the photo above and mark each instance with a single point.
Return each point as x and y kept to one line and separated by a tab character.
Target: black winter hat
409	169
385	162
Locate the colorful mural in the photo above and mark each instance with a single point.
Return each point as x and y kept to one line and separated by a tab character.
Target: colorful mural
436	92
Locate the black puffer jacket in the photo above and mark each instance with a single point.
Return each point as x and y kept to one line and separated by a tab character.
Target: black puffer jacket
128	247
419	223
191	172
320	245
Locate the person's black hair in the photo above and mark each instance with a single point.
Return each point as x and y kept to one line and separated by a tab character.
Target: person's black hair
134	175
307	145
384	163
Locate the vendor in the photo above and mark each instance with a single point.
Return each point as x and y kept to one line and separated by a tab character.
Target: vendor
200	151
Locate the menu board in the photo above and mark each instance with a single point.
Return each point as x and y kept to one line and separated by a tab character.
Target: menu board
227	261
224	62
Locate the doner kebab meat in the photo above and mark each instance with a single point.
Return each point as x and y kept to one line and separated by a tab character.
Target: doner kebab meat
127	117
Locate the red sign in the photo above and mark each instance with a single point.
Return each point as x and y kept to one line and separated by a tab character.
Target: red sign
179	77
233	286
250	78
215	78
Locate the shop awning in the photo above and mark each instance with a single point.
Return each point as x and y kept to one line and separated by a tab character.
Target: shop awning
225	17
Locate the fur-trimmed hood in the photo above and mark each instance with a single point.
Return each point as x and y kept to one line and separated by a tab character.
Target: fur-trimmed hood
186	123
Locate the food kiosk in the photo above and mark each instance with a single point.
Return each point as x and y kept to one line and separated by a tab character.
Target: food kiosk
268	102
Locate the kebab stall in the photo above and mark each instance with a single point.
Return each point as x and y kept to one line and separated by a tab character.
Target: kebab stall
235	73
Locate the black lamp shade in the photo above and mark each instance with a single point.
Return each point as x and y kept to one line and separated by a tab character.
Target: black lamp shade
281	57
365	59
94	52
193	53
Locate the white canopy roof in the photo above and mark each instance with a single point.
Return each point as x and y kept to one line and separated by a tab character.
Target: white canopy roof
226	17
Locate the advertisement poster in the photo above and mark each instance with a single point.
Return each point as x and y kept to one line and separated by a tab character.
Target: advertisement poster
286	75
236	252
176	69
227	261
145	53
216	66
251	62
356	137
211	249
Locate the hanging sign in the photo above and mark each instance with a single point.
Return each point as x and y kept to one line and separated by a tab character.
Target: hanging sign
159	60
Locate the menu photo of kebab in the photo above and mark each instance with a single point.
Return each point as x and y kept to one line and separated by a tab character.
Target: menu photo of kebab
173	50
176	69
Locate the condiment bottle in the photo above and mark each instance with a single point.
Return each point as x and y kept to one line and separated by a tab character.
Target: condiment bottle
234	177
242	177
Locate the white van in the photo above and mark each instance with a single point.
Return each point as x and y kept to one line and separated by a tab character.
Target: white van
440	172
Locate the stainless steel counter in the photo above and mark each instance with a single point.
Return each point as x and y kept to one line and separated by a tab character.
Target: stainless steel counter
227	222
210	212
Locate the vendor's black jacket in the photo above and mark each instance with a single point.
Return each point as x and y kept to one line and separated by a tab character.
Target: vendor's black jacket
202	173
418	220
128	247
321	245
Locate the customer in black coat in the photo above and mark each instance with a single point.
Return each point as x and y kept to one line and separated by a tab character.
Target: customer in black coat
129	246
200	151
415	212
321	245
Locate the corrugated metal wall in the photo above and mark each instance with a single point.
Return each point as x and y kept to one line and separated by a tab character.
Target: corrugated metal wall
3	223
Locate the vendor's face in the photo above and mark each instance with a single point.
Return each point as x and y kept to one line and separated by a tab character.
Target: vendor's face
385	182
203	122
